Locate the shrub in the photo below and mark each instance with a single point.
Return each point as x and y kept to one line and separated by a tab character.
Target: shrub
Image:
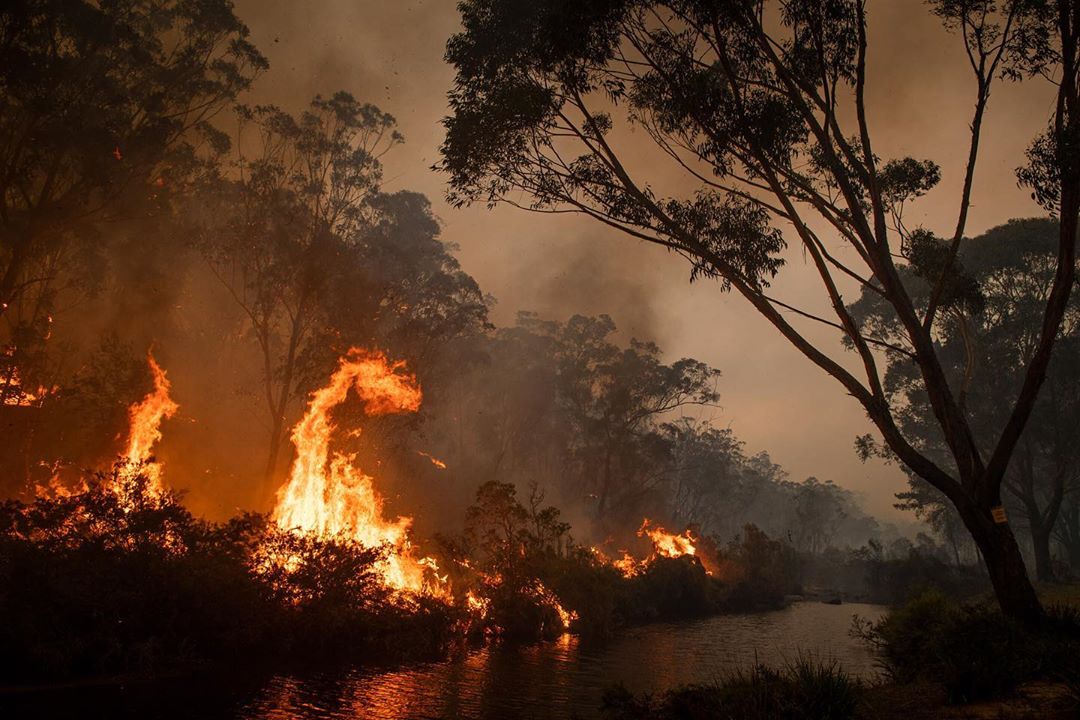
759	571
973	650
99	583
803	690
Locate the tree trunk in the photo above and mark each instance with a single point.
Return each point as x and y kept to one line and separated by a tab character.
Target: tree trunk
10	275
1044	564
1005	565
270	471
1069	536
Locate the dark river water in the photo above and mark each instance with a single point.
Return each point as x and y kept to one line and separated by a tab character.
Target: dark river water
562	679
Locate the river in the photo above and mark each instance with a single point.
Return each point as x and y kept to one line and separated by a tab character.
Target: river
557	680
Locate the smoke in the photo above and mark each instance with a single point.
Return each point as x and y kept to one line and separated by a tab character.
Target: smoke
391	54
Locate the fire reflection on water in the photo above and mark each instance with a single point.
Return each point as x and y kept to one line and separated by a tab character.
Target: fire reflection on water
558	679
567	677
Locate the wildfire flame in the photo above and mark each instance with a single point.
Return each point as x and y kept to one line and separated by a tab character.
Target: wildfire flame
329	497
667	544
144	431
145	428
16	395
628	565
544	594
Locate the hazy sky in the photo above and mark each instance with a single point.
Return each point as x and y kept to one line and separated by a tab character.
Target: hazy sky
920	91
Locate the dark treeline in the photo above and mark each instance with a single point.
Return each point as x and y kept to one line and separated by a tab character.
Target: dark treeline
988	330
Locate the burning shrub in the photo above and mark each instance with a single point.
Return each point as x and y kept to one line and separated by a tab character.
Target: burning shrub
119	578
305	571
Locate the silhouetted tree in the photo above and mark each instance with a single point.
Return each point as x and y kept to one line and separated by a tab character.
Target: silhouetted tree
760	106
277	236
616	399
988	331
105	113
319	258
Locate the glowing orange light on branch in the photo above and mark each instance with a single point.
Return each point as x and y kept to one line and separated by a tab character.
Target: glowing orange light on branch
432	459
545	596
328	496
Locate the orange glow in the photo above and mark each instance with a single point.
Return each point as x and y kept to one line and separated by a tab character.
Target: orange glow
145	428
477	605
628	565
328	496
542	593
18	396
434	460
667	544
664	544
55	489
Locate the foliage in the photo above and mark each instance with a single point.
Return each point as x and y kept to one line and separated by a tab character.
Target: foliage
805	689
319	258
896	576
90	585
105	116
972	649
507	548
759	571
760	111
986	342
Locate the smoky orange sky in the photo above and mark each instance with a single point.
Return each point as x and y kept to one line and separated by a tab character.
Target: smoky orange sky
920	92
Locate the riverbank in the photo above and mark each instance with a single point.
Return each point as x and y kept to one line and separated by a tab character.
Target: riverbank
808	690
554	680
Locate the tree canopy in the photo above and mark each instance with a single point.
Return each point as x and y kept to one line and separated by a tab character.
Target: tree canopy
760	109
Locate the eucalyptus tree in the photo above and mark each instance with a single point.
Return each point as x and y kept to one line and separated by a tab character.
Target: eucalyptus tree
760	107
106	111
988	331
615	399
277	232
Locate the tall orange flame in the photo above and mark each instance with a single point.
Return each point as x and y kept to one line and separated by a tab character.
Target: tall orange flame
328	496
145	428
145	419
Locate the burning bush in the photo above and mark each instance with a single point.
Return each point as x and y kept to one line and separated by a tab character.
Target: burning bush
115	575
119	578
